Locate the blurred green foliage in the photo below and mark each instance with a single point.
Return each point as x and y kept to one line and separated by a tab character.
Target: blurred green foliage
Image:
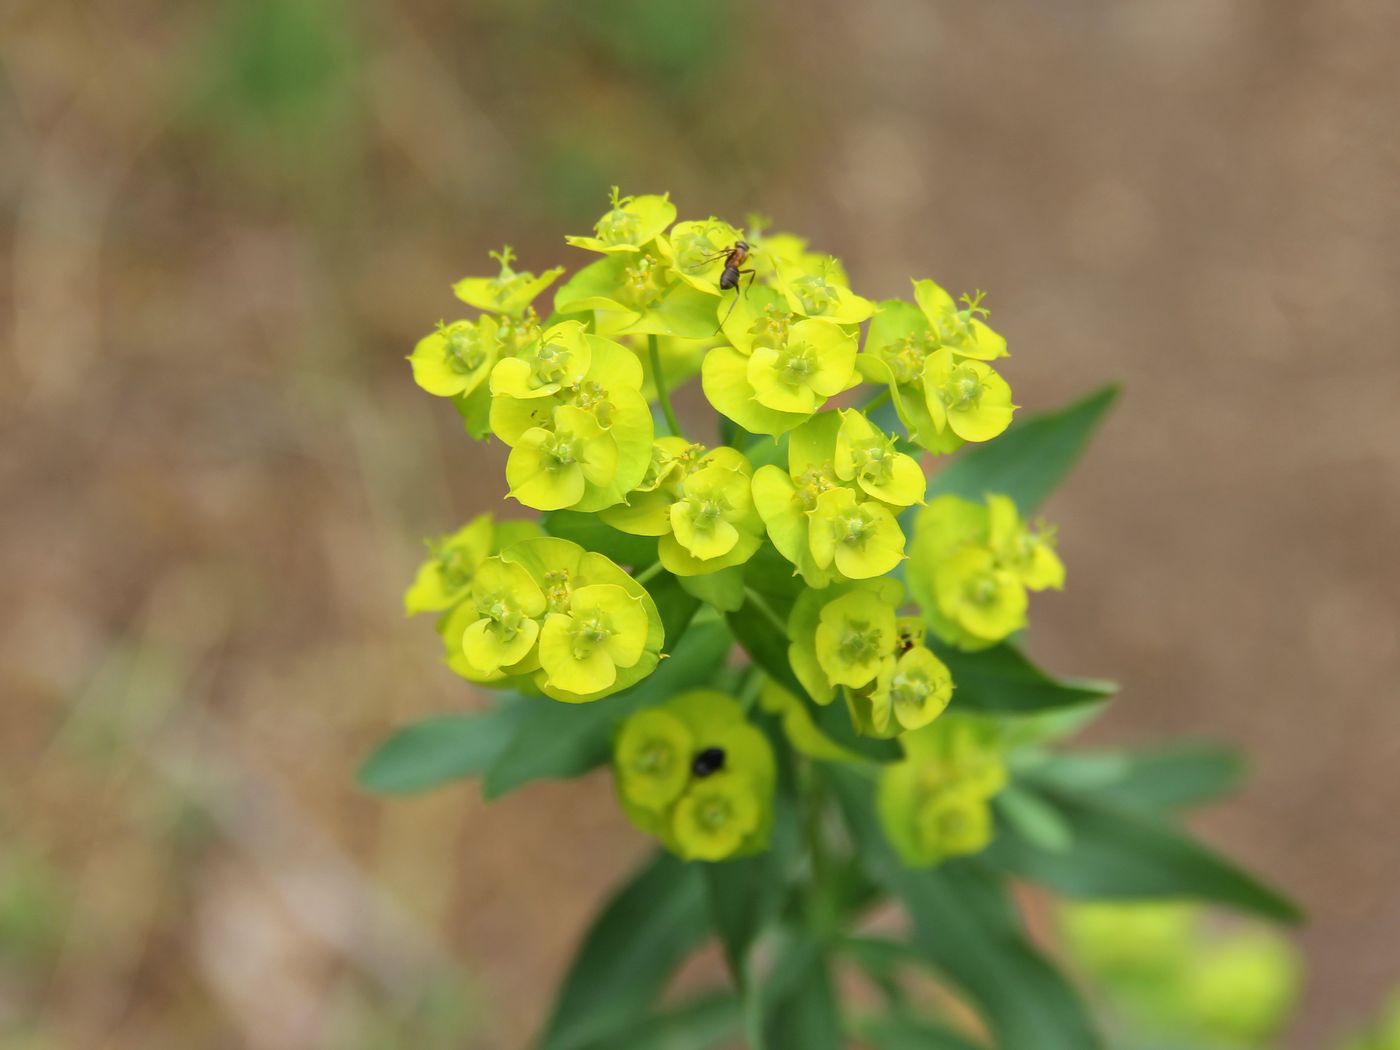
1172	977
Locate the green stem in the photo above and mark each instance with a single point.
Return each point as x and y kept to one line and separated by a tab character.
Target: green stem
760	603
659	378
647	573
875	402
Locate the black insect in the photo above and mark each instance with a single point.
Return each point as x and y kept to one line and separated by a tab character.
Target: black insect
711	760
734	258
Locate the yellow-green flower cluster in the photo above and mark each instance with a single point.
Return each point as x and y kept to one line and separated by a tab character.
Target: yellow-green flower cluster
932	355
832	513
571	408
696	775
566	619
936	803
698	502
775	331
971	564
456	358
850	638
444	580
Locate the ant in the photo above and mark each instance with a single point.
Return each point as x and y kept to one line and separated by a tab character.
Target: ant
734	258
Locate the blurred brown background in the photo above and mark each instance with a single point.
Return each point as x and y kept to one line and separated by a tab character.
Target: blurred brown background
224	224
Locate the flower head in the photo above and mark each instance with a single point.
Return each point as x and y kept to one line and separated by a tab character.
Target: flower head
861	538
966	396
552	467
694	773
445	578
456	358
508	604
605	628
569	618
629	224
934	804
508	292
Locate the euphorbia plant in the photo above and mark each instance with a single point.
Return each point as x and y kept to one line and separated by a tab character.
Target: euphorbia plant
798	652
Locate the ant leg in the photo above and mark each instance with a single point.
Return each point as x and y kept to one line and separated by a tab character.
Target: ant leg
728	312
752	274
706	260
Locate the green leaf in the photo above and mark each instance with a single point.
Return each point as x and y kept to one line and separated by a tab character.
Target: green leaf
628	955
834	720
1160	780
1031	458
555	740
1001	681
674	603
592	533
966	926
909	1033
1034	819
723	589
1120	854
799	1004
703	1024
439	749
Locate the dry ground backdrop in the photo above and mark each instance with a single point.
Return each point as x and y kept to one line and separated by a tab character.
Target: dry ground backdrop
224	224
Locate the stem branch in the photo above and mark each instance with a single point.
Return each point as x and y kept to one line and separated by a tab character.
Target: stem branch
658	376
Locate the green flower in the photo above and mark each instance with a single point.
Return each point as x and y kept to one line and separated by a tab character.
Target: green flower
559	358
508	292
785	504
508	603
609	390
866	455
816	361
715	816
934	804
647	510
697	251
445	578
788	375
631	223
550	468
966	397
639	293
821	292
986	601
970	565
713	521
1118	939
1243	989
652	758
758	317
961	330
953	824
695	774
456	358
811	658
790	253
604	629
862	539
855	633
896	347
1029	554
601	624
914	688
